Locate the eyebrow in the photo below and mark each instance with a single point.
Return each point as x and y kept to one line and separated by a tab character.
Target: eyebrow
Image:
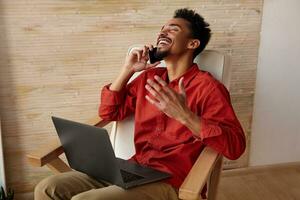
171	25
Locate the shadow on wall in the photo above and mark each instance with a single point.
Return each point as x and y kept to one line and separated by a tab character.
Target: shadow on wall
8	106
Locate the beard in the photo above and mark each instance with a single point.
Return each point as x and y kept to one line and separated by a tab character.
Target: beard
159	54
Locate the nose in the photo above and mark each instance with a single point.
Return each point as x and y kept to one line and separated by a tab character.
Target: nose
161	33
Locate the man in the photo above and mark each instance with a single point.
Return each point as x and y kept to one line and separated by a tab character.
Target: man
178	110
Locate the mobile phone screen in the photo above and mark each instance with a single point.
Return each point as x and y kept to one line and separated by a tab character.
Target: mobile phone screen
152	56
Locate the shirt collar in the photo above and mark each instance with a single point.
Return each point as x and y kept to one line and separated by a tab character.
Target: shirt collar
187	76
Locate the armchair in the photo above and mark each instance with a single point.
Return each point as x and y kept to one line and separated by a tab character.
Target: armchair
207	168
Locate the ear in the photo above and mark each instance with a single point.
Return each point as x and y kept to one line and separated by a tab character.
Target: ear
193	44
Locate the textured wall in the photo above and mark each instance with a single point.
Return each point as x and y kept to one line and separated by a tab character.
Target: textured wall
56	55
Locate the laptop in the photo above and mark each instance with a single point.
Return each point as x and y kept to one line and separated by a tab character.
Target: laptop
88	149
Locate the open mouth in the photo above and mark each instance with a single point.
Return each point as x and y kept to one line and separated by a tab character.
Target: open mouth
164	41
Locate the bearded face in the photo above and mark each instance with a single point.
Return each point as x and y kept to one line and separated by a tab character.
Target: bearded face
173	38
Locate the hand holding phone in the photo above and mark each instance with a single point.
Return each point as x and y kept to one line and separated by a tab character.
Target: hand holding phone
137	59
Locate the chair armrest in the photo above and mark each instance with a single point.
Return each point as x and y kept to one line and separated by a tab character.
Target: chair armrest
97	121
45	155
196	179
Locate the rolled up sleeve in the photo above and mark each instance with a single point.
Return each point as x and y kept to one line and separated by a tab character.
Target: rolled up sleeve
117	105
109	97
220	128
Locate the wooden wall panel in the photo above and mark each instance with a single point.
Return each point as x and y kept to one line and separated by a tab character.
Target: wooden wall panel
56	55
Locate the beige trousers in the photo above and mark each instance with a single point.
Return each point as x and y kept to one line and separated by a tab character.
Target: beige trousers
78	186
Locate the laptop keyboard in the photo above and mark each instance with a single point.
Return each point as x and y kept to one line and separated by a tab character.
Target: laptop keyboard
128	177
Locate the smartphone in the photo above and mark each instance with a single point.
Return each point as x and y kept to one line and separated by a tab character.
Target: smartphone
152	56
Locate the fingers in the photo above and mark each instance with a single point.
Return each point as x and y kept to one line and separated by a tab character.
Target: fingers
152	101
157	91
137	53
160	81
154	93
145	51
150	47
141	53
165	86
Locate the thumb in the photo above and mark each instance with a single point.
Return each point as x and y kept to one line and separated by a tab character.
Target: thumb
181	87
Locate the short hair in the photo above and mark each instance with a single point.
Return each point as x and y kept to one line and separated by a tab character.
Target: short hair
199	28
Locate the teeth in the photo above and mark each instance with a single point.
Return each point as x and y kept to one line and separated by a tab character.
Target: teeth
163	42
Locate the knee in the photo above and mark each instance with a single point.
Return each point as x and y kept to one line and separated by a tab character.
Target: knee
47	188
43	188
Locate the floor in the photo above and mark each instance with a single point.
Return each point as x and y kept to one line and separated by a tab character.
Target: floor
274	182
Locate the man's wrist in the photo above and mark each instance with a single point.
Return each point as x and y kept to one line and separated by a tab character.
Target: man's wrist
121	80
126	72
187	117
192	121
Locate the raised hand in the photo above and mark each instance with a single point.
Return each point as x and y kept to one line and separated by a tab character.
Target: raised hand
137	59
172	103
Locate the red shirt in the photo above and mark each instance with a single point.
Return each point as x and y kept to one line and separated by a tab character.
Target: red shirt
164	143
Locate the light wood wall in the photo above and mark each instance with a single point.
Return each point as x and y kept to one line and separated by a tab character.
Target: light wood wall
56	55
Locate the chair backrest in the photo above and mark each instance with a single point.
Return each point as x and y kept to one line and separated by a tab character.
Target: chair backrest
123	131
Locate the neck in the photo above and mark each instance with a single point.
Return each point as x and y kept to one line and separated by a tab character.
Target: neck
176	67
